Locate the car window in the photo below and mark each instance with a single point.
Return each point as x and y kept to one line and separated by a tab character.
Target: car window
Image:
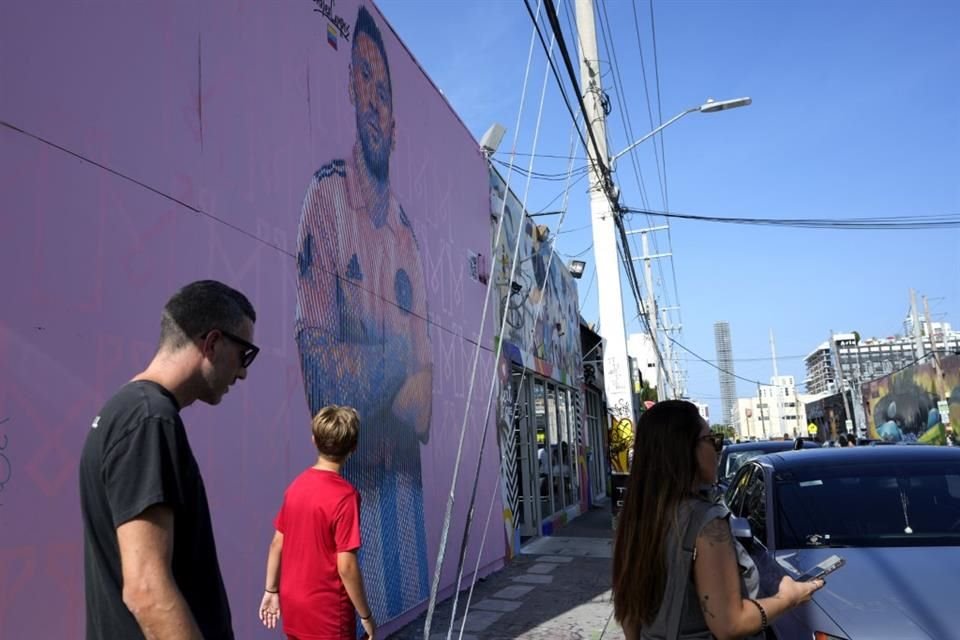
754	507
737	459
737	490
909	504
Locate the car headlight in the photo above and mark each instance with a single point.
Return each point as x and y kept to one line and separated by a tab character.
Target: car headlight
823	635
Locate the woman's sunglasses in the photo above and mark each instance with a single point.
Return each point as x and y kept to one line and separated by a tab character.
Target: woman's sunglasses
716	439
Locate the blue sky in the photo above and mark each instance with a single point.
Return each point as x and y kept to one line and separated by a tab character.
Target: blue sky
855	113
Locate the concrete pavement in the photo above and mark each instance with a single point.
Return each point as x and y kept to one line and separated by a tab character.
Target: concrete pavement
558	588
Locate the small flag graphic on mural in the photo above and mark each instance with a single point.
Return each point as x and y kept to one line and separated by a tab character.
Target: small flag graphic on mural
331	35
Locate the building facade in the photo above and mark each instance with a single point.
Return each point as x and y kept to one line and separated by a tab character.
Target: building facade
777	412
228	145
542	399
863	360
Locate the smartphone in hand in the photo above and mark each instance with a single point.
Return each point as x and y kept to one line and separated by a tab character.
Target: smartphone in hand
822	569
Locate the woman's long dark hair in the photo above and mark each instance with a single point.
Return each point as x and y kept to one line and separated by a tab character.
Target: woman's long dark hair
663	473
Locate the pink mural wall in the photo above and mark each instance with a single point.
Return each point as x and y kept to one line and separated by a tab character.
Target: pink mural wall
146	145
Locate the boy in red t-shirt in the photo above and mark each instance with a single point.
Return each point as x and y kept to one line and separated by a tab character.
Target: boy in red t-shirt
312	568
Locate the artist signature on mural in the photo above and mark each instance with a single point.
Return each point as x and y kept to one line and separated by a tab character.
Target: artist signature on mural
325	8
6	469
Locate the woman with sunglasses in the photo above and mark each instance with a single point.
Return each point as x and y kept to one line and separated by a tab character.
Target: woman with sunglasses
675	562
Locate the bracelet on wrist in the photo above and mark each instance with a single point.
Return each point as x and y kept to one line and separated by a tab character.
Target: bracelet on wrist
272	590
763	615
367	617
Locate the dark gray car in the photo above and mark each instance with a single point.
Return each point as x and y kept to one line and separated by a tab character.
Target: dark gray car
892	513
735	456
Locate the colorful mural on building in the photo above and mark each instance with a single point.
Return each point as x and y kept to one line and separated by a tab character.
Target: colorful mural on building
542	330
906	406
297	152
539	422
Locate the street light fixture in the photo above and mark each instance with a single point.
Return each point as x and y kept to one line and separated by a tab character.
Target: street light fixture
710	106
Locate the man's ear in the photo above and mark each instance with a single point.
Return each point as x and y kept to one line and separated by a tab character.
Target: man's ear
208	344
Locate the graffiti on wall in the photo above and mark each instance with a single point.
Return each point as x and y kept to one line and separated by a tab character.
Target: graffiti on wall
906	406
539	302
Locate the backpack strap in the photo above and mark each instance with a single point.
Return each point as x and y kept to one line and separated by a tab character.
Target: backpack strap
676	598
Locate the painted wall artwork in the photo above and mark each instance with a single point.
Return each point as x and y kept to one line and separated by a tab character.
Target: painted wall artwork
298	152
542	331
906	406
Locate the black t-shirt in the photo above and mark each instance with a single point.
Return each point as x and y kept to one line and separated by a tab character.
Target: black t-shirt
135	456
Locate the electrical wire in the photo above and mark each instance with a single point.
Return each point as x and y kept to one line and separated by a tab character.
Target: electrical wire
599	163
656	70
877	223
448	513
558	177
610	46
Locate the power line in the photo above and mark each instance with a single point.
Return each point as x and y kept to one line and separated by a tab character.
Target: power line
879	223
765	359
557	177
704	360
625	120
656	70
546	155
599	162
646	93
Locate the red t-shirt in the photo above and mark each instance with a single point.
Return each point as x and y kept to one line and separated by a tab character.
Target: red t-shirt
320	517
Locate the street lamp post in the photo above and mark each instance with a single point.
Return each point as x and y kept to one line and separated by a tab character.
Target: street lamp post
665	377
710	106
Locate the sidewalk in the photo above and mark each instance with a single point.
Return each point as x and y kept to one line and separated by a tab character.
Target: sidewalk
557	588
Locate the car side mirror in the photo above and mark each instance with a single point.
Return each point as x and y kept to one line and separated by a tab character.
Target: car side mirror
740	528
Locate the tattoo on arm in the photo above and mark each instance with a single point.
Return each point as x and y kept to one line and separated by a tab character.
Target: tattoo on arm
704	602
717	532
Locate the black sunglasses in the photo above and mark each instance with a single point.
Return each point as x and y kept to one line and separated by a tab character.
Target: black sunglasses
716	439
250	350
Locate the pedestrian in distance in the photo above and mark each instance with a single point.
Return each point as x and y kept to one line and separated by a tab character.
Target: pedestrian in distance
150	561
313	575
677	571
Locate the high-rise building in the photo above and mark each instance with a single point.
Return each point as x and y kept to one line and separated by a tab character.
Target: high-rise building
870	358
728	384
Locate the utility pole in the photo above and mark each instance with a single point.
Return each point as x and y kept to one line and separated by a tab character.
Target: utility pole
941	391
776	383
915	320
616	366
676	377
664	375
763	425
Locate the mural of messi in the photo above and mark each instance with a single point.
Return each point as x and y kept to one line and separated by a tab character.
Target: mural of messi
362	330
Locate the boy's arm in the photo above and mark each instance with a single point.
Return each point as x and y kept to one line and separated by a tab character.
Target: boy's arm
349	569
272	582
270	603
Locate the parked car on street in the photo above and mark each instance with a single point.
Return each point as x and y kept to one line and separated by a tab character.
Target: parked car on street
891	513
735	456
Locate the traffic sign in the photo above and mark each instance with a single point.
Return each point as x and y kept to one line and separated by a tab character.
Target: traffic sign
812	429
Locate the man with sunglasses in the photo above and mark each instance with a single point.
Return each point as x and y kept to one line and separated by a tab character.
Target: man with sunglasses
150	561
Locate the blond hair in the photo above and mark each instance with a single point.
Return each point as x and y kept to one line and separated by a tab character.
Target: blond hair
335	431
